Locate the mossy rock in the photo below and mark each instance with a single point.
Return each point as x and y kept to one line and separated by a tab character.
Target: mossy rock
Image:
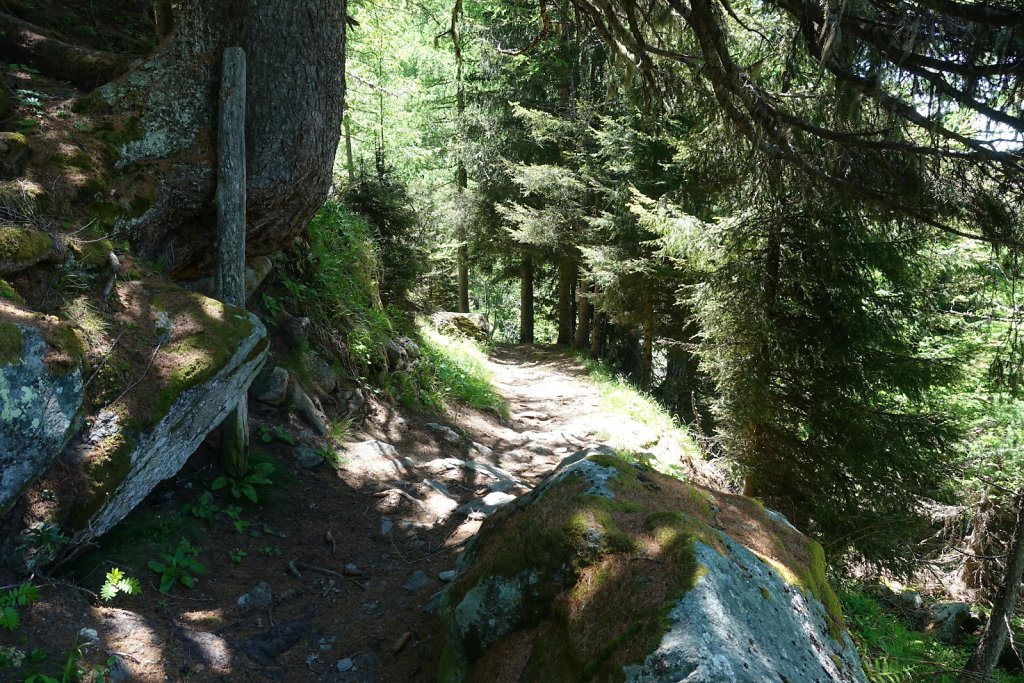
7	291
582	579
22	248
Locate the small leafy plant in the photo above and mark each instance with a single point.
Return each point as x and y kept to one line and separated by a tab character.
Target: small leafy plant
178	567
237	555
117	582
204	508
245	486
271	551
47	538
234	514
22	596
279	433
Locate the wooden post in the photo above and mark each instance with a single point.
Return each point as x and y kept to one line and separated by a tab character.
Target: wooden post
234	430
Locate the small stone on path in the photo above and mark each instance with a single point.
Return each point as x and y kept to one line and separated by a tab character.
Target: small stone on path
307	458
344	665
260	596
418	580
447	576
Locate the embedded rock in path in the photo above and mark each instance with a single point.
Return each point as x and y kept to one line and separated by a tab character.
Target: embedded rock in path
487	505
377	459
446	433
40	400
259	597
587	571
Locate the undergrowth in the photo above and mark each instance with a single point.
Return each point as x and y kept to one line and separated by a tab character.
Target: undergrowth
890	651
457	370
620	397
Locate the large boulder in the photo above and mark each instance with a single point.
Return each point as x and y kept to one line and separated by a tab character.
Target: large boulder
181	366
41	396
472	325
609	571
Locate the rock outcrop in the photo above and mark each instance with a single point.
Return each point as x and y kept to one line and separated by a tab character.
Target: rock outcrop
146	405
472	325
611	571
41	396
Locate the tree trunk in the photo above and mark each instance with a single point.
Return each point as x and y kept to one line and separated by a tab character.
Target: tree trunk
647	351
526	301
584	308
463	278
990	647
597	334
293	120
566	275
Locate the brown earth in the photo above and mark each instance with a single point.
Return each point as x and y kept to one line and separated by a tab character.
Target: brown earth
319	521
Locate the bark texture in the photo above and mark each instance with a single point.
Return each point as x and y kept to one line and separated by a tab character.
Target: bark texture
526	301
566	276
986	655
583	311
295	92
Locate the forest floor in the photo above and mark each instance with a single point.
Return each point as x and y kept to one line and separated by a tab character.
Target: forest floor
352	554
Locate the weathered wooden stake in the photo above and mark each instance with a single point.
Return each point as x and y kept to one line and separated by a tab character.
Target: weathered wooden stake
234	430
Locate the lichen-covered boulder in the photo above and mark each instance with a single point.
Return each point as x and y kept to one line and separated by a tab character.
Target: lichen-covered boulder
40	396
610	571
472	325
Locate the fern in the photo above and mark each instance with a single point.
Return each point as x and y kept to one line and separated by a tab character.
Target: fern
116	582
23	595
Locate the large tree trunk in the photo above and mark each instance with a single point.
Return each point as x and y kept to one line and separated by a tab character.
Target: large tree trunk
463	278
566	275
296	55
526	301
583	310
990	647
647	349
597	334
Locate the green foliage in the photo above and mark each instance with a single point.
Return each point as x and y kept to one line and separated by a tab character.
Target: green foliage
457	370
892	652
117	582
237	555
11	600
47	538
258	475
384	203
620	397
178	567
204	507
278	433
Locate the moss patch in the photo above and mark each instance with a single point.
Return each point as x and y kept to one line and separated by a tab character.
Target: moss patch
105	468
7	291
10	344
23	246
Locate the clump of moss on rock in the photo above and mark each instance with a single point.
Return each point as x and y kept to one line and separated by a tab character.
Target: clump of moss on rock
21	248
10	343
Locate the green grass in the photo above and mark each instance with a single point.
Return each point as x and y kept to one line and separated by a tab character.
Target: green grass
619	397
459	372
890	651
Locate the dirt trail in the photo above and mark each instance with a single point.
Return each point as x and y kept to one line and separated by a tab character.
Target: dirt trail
352	555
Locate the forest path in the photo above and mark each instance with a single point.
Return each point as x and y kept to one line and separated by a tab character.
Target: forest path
350	558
